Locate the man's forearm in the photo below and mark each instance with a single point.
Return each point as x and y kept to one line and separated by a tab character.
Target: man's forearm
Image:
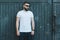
17	24
33	25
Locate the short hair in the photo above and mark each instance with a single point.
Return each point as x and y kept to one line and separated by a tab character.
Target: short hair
26	2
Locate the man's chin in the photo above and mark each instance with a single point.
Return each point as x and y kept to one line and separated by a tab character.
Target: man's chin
26	9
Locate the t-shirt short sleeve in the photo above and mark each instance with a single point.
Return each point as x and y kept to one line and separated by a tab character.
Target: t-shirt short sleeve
32	14
18	14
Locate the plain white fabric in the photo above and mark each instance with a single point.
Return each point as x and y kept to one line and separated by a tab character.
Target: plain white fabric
25	20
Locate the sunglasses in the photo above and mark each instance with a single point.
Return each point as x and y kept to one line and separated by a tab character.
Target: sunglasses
27	5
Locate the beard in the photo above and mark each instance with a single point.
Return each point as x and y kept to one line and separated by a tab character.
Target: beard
26	9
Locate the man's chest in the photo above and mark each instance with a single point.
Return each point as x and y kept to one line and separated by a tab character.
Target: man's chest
25	15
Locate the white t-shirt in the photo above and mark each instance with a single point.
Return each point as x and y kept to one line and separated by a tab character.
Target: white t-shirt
25	20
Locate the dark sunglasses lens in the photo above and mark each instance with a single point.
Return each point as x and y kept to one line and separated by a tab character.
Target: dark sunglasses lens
27	5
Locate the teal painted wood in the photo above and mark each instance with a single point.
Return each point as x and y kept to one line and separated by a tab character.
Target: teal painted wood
8	13
56	0
0	21
57	20
23	0
42	16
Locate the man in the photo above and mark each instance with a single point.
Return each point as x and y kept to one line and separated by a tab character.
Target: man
24	19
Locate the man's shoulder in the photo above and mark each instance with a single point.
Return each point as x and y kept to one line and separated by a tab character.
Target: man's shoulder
20	11
30	12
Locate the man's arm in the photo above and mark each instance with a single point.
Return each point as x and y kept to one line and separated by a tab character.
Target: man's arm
33	24
17	25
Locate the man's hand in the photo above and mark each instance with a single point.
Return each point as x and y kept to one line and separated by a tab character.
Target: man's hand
32	33
18	33
17	25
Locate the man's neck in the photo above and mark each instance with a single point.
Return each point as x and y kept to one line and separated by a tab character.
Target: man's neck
25	10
